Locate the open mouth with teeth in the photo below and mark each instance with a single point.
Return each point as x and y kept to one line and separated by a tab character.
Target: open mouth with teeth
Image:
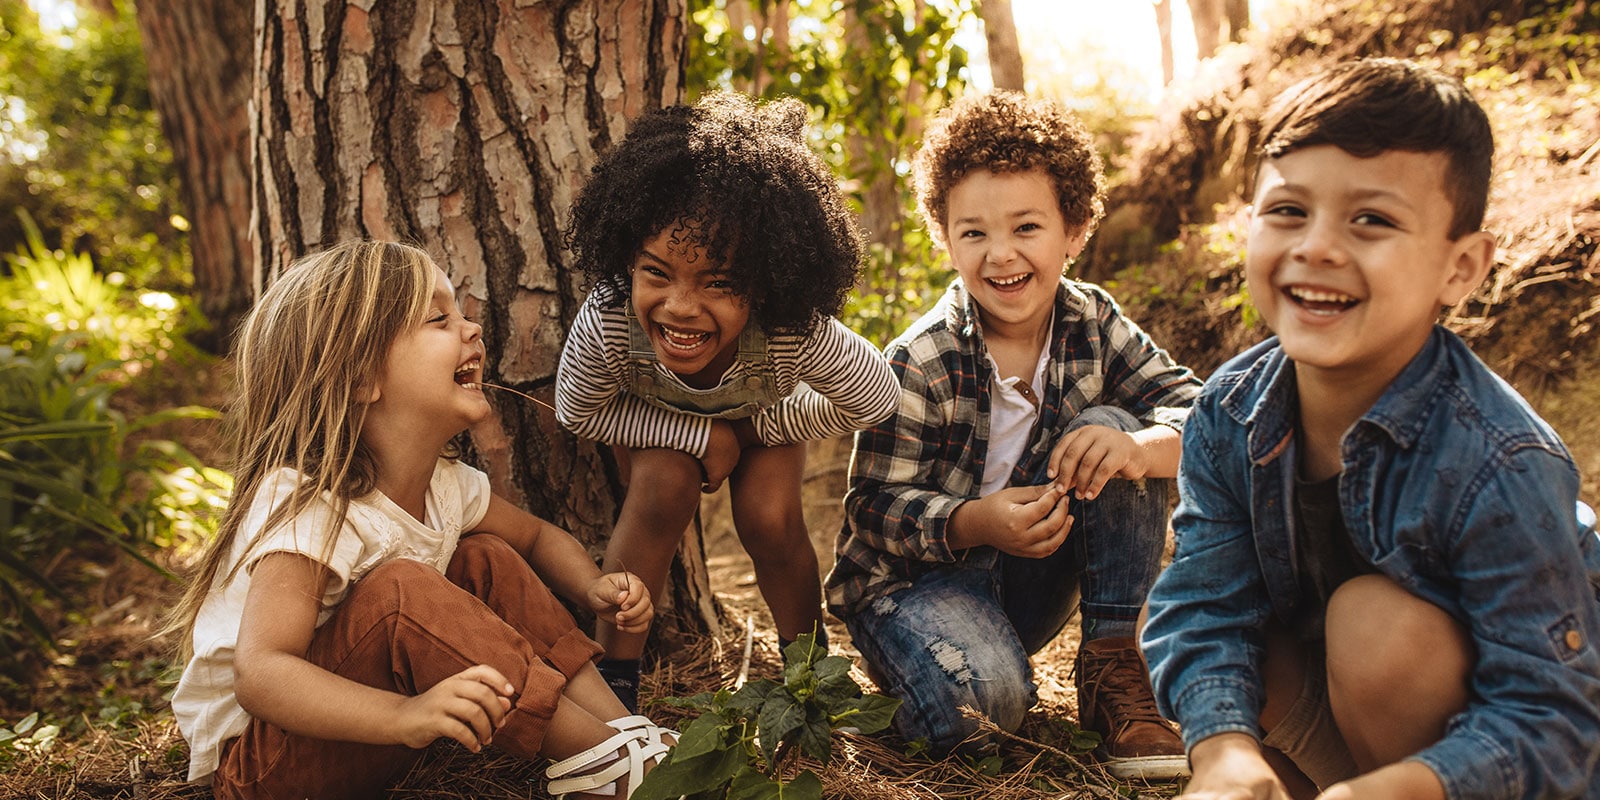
1011	283
467	374
679	341
1321	302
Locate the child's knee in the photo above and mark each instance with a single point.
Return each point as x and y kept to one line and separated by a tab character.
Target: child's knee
664	477
773	530
1374	631
1107	417
394	587
951	676
480	552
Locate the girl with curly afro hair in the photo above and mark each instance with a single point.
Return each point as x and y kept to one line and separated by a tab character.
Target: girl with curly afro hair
1031	409
721	249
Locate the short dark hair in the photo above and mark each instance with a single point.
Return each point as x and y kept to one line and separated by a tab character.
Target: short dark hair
754	196
1374	105
1005	132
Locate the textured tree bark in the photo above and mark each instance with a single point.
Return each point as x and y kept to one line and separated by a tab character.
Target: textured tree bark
1005	54
466	127
199	61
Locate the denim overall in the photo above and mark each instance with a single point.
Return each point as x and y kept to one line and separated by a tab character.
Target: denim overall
738	399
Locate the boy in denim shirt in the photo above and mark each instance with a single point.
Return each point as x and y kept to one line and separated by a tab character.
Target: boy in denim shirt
1011	475
1381	587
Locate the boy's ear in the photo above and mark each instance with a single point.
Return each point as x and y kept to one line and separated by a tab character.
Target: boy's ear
1470	260
1076	241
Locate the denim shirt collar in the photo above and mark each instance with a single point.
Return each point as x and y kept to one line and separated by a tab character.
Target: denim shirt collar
1268	413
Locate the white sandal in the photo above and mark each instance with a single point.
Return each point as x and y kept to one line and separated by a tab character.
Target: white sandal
638	738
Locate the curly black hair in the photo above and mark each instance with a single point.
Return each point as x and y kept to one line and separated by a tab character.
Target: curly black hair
753	195
1007	132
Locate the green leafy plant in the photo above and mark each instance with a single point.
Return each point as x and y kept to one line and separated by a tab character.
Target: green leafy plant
27	737
744	741
71	464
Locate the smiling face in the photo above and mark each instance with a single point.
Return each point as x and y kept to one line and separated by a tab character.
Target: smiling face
1350	260
686	305
1009	242
432	371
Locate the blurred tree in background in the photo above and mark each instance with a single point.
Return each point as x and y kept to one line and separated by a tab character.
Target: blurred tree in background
81	146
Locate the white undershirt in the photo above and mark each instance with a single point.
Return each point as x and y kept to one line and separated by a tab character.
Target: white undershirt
1011	418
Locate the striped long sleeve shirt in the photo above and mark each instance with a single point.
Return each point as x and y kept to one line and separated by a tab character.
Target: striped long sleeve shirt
910	472
831	383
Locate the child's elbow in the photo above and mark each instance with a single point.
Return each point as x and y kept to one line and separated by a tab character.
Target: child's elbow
252	684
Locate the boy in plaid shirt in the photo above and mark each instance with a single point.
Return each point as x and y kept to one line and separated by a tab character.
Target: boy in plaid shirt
1028	462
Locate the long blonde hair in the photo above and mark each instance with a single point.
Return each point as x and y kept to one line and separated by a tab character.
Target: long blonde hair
305	357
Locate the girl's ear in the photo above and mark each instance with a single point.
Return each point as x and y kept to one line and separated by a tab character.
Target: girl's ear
1470	260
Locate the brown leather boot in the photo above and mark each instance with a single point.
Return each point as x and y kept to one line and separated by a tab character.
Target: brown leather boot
1115	700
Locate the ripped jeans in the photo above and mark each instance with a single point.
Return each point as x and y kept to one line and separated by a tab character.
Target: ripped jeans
961	635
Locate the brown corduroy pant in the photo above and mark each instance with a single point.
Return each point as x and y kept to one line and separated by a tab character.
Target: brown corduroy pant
403	628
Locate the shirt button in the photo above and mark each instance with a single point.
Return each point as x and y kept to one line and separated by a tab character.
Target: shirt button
1574	640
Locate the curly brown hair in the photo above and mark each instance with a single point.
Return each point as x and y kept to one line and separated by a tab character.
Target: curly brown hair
740	177
1007	132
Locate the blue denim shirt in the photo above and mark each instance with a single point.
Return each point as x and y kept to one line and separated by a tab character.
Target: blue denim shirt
1453	488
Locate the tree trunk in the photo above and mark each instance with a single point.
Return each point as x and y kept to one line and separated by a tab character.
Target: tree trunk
1005	55
200	82
1238	18
466	127
1207	18
1164	28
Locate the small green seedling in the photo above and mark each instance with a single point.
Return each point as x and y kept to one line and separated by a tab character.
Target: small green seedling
742	742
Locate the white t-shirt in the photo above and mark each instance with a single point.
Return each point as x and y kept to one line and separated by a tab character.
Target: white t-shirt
375	530
1011	419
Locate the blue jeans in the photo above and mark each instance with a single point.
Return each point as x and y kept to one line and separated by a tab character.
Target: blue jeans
961	635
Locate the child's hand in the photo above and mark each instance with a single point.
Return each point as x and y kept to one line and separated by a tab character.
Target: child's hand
1025	521
1405	780
468	707
624	598
722	454
1088	457
1229	766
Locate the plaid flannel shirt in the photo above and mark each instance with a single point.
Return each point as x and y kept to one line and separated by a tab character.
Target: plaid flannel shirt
910	472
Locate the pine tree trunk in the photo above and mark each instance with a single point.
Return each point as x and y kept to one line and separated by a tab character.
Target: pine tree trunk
1164	30
1238	14
1005	54
1207	18
466	127
199	63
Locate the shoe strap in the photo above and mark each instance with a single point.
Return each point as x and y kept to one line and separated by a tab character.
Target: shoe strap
640	745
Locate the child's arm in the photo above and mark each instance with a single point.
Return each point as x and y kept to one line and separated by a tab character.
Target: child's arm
566	567
276	684
900	499
852	387
1203	639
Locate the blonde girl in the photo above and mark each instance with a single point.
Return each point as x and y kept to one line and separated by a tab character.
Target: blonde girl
366	596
